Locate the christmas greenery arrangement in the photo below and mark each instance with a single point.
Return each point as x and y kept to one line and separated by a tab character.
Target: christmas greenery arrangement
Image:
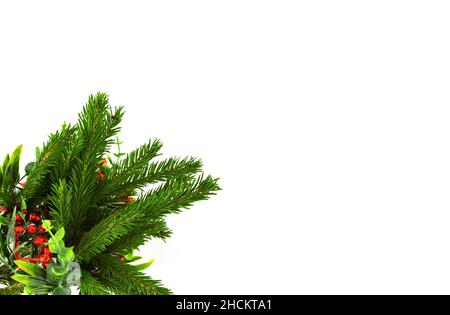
73	222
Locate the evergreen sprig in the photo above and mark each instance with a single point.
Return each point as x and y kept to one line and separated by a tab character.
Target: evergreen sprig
106	211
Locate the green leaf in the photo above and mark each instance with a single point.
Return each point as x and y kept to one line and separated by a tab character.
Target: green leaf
144	266
61	291
22	279
66	256
47	225
135	258
29	280
30	268
5	163
51	276
37	290
29	167
14	164
59	235
59	270
56	246
10	237
23	205
38	153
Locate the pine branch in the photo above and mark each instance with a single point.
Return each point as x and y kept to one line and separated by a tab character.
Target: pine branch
113	286
91	285
38	183
60	203
97	125
90	202
176	195
169	169
102	235
126	169
70	151
169	198
126	277
139	236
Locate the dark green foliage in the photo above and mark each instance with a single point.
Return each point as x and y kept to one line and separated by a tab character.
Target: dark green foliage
107	211
60	201
122	278
140	235
48	163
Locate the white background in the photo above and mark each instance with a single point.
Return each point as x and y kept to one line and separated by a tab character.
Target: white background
327	121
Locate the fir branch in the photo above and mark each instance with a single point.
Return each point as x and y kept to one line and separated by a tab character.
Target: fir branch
173	196
139	236
126	277
168	169
70	151
91	208
97	126
113	286
60	203
38	184
103	234
90	285
137	159
125	170
169	198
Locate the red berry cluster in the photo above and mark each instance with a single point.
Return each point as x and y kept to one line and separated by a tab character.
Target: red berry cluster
29	229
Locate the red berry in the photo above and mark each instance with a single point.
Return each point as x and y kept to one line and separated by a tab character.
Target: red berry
19	220
19	230
47	251
35	218
42	230
24	211
122	258
31	229
39	240
45	258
